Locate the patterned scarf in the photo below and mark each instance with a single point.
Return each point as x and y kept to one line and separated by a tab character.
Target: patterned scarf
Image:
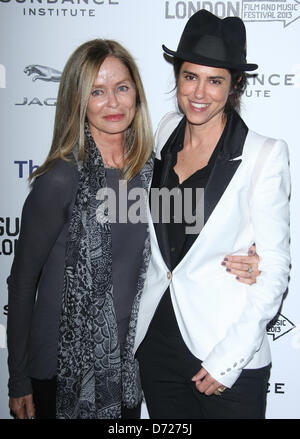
91	376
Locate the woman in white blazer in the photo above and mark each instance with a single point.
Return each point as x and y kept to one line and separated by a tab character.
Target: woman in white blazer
201	336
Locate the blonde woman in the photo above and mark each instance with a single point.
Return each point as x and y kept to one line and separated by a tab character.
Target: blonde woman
67	326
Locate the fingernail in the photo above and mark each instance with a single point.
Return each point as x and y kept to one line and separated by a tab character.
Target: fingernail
251	252
237	278
223	263
225	259
228	269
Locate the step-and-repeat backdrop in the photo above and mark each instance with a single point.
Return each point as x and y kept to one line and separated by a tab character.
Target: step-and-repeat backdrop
37	37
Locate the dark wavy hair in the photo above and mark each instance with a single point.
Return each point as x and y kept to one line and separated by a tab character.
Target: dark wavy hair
238	85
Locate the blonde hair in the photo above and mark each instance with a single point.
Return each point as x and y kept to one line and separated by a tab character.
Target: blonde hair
75	87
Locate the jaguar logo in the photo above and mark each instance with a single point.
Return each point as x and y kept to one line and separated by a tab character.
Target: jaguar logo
43	73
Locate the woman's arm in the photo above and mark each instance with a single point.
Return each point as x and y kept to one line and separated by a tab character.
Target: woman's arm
43	217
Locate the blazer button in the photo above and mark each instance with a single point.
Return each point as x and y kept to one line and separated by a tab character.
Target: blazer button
169	275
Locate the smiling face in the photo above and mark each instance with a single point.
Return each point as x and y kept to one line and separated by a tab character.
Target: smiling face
202	93
112	103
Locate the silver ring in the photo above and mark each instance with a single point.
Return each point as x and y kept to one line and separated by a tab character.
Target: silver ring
250	269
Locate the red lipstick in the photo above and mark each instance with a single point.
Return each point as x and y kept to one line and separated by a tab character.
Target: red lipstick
114	117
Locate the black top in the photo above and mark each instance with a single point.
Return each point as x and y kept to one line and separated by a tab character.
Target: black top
35	283
164	320
177	230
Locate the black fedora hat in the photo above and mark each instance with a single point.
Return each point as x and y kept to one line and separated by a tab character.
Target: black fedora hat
212	41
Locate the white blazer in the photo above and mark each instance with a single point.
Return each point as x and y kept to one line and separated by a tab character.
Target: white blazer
222	321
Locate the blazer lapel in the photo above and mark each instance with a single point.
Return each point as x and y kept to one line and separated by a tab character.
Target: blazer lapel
226	164
160	175
220	178
160	228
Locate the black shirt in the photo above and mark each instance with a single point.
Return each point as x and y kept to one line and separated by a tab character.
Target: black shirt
164	320
179	245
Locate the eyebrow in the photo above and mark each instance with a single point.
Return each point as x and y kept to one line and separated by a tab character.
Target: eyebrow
210	77
98	84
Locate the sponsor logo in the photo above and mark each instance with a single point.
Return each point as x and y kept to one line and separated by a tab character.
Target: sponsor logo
284	11
9	230
42	102
277	388
42	73
2	76
279	327
262	85
61	8
25	168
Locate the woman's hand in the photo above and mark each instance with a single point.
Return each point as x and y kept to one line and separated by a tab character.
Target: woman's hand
245	268
22	407
205	383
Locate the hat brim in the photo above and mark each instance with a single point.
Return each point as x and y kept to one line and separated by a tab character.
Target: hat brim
199	59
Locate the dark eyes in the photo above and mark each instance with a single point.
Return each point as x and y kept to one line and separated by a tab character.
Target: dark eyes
212	81
215	81
190	77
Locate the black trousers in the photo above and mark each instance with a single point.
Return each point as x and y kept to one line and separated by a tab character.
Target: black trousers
44	397
167	366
